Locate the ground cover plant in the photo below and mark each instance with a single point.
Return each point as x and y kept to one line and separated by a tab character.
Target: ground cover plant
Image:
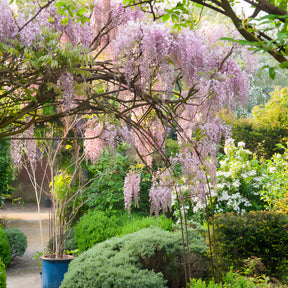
150	257
233	280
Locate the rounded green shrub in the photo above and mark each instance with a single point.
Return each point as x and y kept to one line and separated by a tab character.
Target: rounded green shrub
2	275
17	240
260	234
5	249
95	227
150	258
98	226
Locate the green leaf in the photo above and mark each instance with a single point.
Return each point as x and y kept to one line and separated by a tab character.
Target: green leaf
165	17
64	21
272	73
284	65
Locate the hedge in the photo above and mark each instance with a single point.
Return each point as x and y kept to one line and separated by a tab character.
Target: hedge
150	258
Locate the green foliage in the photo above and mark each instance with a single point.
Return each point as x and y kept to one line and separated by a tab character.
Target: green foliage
260	140
61	183
5	249
17	240
2	275
231	279
275	190
74	10
260	234
98	226
180	15
141	259
106	191
6	171
275	113
267	128
239	180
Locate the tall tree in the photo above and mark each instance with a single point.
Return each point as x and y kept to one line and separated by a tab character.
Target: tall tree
264	28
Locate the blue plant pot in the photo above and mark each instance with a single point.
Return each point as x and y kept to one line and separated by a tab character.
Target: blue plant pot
53	271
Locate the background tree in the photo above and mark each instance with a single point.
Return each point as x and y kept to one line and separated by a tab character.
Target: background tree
261	23
265	127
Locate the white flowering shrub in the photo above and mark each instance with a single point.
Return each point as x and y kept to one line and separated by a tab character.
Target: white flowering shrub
275	191
240	180
244	183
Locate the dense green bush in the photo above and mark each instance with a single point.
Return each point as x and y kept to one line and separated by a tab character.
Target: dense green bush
5	249
106	191
2	275
97	226
17	240
260	234
266	127
150	258
260	140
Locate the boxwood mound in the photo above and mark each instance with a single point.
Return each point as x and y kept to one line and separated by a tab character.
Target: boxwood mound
17	240
150	258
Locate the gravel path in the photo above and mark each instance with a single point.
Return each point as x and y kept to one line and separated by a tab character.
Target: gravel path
24	272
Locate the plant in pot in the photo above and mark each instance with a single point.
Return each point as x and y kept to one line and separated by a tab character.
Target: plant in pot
54	164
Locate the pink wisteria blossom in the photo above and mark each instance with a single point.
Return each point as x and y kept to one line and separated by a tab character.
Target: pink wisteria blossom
131	189
161	192
94	140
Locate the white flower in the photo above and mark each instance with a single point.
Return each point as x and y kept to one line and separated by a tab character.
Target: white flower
252	173
272	169
241	144
220	185
225	196
236	183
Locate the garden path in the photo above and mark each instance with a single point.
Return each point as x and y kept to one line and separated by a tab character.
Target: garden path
24	272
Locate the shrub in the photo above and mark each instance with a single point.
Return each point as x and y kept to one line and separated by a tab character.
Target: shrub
231	279
150	258
260	234
106	191
5	249
239	180
97	226
2	275
260	140
17	240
